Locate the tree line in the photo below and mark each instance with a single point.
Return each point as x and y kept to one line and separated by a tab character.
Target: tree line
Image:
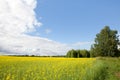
105	45
78	53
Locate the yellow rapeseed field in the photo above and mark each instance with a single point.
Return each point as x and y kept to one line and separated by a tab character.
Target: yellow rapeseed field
37	68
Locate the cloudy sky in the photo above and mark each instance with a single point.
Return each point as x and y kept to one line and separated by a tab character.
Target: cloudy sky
52	27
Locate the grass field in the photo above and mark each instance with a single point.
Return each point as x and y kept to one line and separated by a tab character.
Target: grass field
112	68
35	68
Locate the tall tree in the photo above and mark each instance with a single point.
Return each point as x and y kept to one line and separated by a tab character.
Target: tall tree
106	43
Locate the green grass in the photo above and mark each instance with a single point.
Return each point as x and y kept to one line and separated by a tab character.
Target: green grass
112	68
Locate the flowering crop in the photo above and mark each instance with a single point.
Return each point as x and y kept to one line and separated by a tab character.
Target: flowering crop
35	68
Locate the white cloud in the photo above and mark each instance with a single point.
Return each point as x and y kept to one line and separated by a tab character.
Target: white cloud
47	31
18	17
24	44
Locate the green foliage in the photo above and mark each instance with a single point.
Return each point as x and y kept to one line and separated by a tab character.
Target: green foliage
100	67
112	68
72	53
106	43
78	53
85	53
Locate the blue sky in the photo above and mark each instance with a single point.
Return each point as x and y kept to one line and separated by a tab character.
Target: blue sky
76	21
66	24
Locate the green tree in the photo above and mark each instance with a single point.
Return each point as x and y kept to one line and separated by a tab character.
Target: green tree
68	54
106	43
85	53
78	53
72	53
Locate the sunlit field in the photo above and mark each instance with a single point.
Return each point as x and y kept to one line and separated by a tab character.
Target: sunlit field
35	68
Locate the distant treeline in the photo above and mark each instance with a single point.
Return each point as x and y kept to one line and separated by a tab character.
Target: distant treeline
78	53
36	56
